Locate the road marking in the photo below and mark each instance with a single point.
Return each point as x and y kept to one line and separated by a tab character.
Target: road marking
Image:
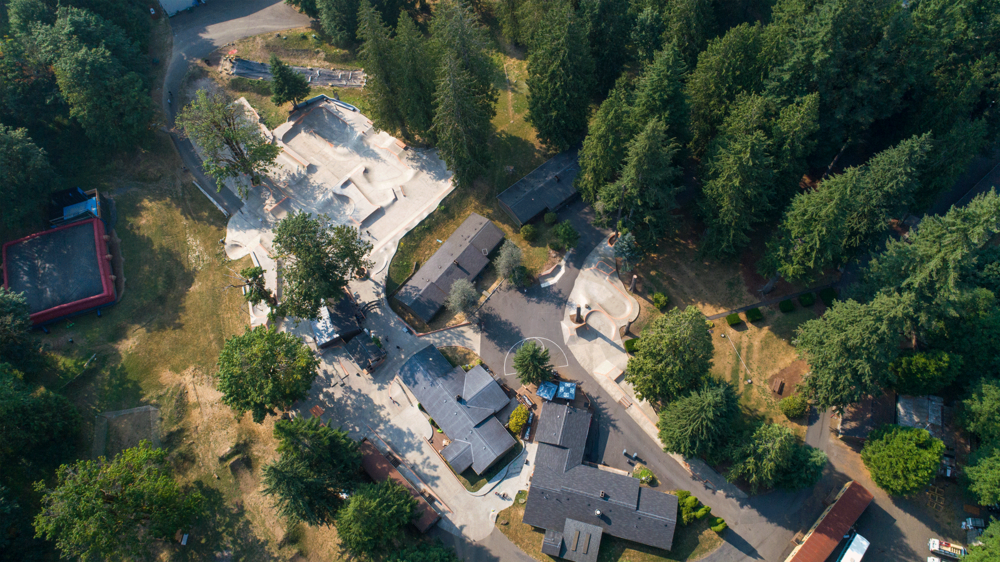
539	340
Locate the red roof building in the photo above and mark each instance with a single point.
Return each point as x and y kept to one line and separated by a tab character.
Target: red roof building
379	468
832	525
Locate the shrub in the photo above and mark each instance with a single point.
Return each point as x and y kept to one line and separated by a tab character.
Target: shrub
551	218
719	525
566	234
793	406
701	513
786	306
660	300
529	232
807	299
828	295
733	319
518	418
689	507
630	345
754	315
556	246
644	475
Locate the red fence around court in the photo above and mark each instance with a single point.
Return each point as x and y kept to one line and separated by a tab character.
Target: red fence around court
100	247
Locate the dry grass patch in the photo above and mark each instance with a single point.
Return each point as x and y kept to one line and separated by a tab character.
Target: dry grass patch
459	356
690	543
766	349
300	46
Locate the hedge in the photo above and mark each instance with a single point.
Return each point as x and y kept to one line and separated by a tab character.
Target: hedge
718	525
754	315
807	299
828	295
529	233
733	319
786	306
630	345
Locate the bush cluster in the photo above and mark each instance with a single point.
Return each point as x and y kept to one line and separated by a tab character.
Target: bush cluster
754	315
718	525
630	345
733	319
793	406
807	299
691	509
556	246
660	300
551	218
518	418
786	306
828	295
529	232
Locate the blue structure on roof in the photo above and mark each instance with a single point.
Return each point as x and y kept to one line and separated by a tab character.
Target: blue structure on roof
567	390
547	390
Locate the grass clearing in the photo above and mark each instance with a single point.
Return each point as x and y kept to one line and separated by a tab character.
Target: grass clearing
766	349
300	46
690	542
459	356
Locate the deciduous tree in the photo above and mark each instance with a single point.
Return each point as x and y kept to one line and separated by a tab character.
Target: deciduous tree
696	423
317	465
531	361
990	547
980	413
374	517
673	355
263	369
38	426
318	261
114	509
15	323
902	460
232	143
462	297
982	474
925	372
508	262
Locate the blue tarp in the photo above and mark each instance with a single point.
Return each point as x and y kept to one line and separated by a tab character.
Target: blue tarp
90	205
567	390
547	390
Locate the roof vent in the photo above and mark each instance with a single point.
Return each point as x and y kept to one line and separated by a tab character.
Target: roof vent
603	495
597	512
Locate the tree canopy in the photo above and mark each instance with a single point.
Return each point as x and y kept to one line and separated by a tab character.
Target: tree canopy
25	174
673	355
317	465
231	141
114	509
374	517
694	424
462	297
902	460
982	474
286	84
318	261
263	369
990	547
531	362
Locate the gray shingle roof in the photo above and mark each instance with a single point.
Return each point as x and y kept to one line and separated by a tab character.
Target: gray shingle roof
462	256
539	191
563	489
477	438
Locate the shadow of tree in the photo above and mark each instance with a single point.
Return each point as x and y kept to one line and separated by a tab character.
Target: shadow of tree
222	532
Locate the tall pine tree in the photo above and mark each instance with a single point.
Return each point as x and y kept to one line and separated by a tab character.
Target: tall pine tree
378	56
604	147
416	84
461	125
559	79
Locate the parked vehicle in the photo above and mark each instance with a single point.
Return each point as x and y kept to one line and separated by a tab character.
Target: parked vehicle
946	549
974	523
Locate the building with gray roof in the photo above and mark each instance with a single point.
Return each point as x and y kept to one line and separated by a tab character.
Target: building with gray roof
571	500
546	188
463	405
463	255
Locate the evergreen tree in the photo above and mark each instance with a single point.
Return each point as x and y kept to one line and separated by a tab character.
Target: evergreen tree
374	517
851	347
699	422
16	346
980	413
689	25
458	33
317	465
461	126
411	53
606	143
26	176
531	361
339	20
560	74
659	94
378	57
735	63
645	193
982	474
507	15
673	356
609	24
287	85
764	458
647	34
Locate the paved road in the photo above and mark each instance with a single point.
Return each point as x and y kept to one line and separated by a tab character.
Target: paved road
761	527
196	35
